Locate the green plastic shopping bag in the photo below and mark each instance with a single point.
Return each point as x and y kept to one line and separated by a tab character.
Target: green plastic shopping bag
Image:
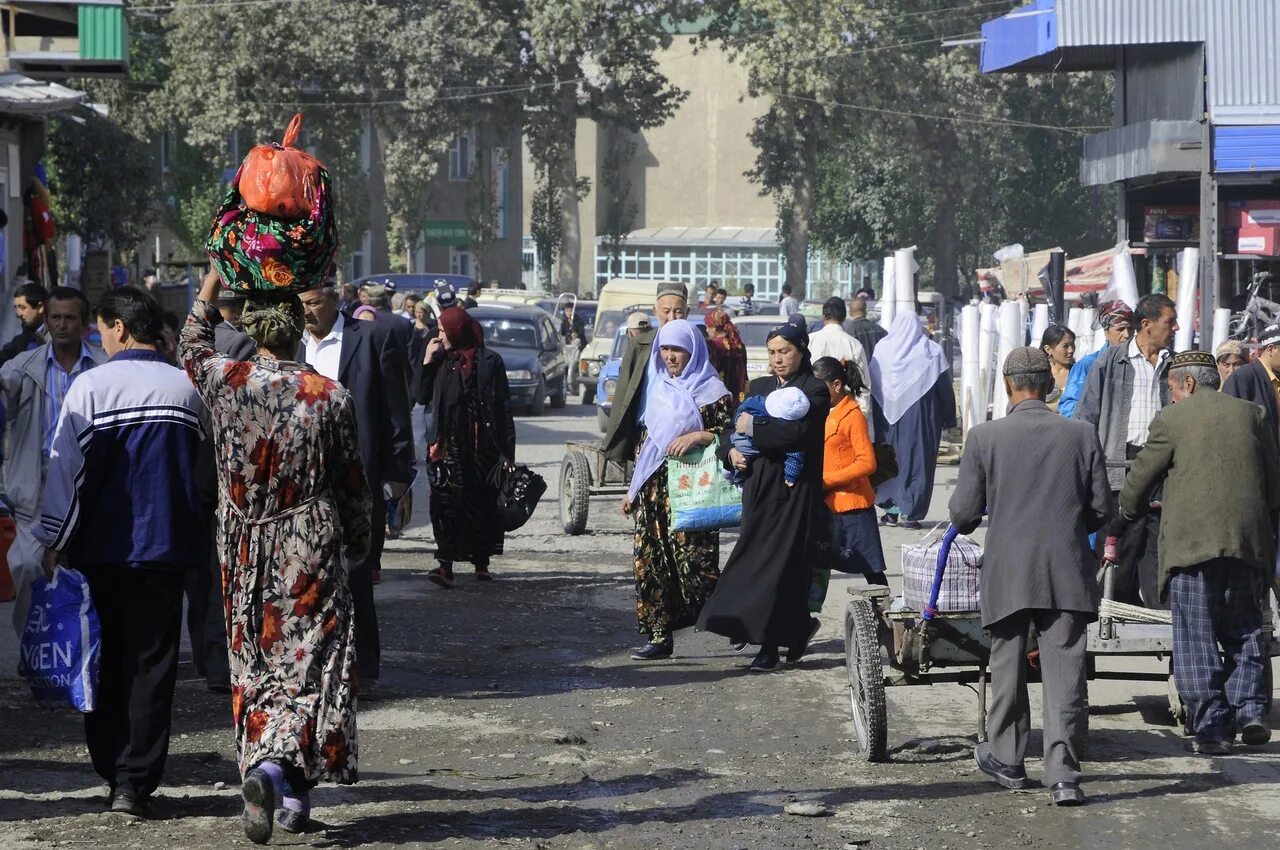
701	497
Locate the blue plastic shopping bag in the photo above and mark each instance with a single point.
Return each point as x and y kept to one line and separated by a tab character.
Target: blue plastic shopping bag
701	498
60	644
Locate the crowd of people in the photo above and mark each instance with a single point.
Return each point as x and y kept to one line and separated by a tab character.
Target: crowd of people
252	458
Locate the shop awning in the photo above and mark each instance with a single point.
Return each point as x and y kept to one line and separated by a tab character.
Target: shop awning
21	95
1085	275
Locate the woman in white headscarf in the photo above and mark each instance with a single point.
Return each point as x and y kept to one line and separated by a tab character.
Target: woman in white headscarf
915	403
686	408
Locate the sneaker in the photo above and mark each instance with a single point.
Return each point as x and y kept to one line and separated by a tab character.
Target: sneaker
766	660
1209	746
910	524
654	651
794	654
441	576
1008	776
259	816
1254	732
738	647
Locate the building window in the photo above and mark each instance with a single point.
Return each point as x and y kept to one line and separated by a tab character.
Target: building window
462	156
462	262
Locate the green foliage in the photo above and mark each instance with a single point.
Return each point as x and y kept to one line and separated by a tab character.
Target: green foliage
620	208
102	181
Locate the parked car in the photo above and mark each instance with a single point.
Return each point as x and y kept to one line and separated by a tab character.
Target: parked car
416	282
617	298
530	348
754	331
587	311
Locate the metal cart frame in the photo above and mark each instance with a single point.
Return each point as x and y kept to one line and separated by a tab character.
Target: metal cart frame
585	474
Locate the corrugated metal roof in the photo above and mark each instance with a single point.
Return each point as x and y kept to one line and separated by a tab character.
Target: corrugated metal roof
24	96
1241	39
1246	149
720	237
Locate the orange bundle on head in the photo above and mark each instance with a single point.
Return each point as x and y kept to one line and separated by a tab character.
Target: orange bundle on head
279	179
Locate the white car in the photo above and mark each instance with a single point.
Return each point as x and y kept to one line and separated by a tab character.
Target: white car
754	330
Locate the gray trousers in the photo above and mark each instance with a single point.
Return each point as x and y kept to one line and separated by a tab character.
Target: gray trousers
1065	690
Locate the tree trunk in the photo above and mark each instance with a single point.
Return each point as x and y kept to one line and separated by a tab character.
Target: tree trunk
801	213
945	253
379	258
565	181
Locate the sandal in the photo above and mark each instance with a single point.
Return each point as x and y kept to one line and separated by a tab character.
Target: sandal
441	576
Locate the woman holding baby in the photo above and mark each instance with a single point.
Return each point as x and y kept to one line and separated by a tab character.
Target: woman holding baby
762	597
686	407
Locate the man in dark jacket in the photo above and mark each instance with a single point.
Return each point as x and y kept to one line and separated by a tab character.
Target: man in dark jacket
228	338
1037	570
1218	547
1123	392
28	304
623	431
863	329
366	359
1257	381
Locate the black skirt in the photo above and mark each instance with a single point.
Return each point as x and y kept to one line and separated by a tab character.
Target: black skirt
855	542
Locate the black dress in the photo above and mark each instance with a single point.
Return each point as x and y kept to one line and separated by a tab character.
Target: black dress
763	592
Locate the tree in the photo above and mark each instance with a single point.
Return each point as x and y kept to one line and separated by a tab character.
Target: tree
620	208
353	66
102	180
591	59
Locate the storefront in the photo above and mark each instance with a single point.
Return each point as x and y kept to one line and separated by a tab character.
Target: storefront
1195	151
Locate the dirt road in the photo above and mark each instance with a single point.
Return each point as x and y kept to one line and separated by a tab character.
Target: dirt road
511	716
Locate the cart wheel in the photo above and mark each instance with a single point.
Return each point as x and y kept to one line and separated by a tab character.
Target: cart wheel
575	492
865	669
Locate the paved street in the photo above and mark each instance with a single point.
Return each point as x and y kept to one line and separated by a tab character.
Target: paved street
511	717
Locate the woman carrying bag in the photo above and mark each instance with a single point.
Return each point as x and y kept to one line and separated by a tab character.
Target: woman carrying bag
470	431
686	407
849	461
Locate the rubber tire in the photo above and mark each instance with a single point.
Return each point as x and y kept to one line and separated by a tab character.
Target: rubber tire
560	397
575	492
865	670
588	393
539	403
602	420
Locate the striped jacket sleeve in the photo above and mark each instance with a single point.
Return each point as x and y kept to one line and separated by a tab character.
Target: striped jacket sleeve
71	468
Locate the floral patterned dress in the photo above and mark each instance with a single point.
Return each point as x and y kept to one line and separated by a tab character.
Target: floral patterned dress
675	571
291	494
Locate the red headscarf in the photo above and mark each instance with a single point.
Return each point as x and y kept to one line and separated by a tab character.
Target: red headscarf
718	319
465	335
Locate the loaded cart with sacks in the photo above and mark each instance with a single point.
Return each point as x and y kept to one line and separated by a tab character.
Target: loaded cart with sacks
933	633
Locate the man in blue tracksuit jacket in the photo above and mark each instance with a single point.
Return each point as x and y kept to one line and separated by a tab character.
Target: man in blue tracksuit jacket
121	504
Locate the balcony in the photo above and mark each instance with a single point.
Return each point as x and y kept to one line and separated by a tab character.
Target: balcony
54	39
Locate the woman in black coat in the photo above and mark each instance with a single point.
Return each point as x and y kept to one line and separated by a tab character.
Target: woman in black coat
762	595
471	429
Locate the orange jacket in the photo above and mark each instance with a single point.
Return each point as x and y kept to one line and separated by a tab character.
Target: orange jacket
848	459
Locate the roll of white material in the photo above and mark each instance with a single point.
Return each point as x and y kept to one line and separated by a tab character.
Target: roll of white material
1085	334
987	332
1039	322
888	296
1011	337
1024	314
970	396
1221	326
1123	284
904	279
1188	277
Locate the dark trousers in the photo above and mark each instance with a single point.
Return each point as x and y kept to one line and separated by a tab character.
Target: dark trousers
1137	576
207	624
360	580
1064	697
1219	603
141	616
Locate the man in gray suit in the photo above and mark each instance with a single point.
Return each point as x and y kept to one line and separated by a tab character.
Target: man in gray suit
1042	480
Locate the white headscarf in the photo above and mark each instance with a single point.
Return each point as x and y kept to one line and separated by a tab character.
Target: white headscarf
905	366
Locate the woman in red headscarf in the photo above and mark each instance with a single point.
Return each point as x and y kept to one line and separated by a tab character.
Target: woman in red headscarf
727	352
464	385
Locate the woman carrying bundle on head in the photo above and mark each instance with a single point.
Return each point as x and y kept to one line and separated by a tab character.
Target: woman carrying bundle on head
292	496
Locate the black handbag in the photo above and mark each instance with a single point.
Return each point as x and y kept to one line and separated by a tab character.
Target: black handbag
886	464
519	488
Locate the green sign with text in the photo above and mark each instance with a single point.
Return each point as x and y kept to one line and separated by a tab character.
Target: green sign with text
454	233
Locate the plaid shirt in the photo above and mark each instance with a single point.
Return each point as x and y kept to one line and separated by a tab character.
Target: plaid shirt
1145	403
56	383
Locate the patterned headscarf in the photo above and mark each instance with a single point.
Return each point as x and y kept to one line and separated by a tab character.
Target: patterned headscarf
718	319
1116	314
274	321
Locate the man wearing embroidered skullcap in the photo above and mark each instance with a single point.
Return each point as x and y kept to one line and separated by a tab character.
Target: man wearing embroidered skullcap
622	434
1217	457
1257	381
1042	483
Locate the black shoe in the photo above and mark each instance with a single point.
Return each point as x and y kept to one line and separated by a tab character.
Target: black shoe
259	817
794	654
1066	794
766	660
1013	778
1254	732
654	651
128	803
889	519
909	524
1209	746
738	647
